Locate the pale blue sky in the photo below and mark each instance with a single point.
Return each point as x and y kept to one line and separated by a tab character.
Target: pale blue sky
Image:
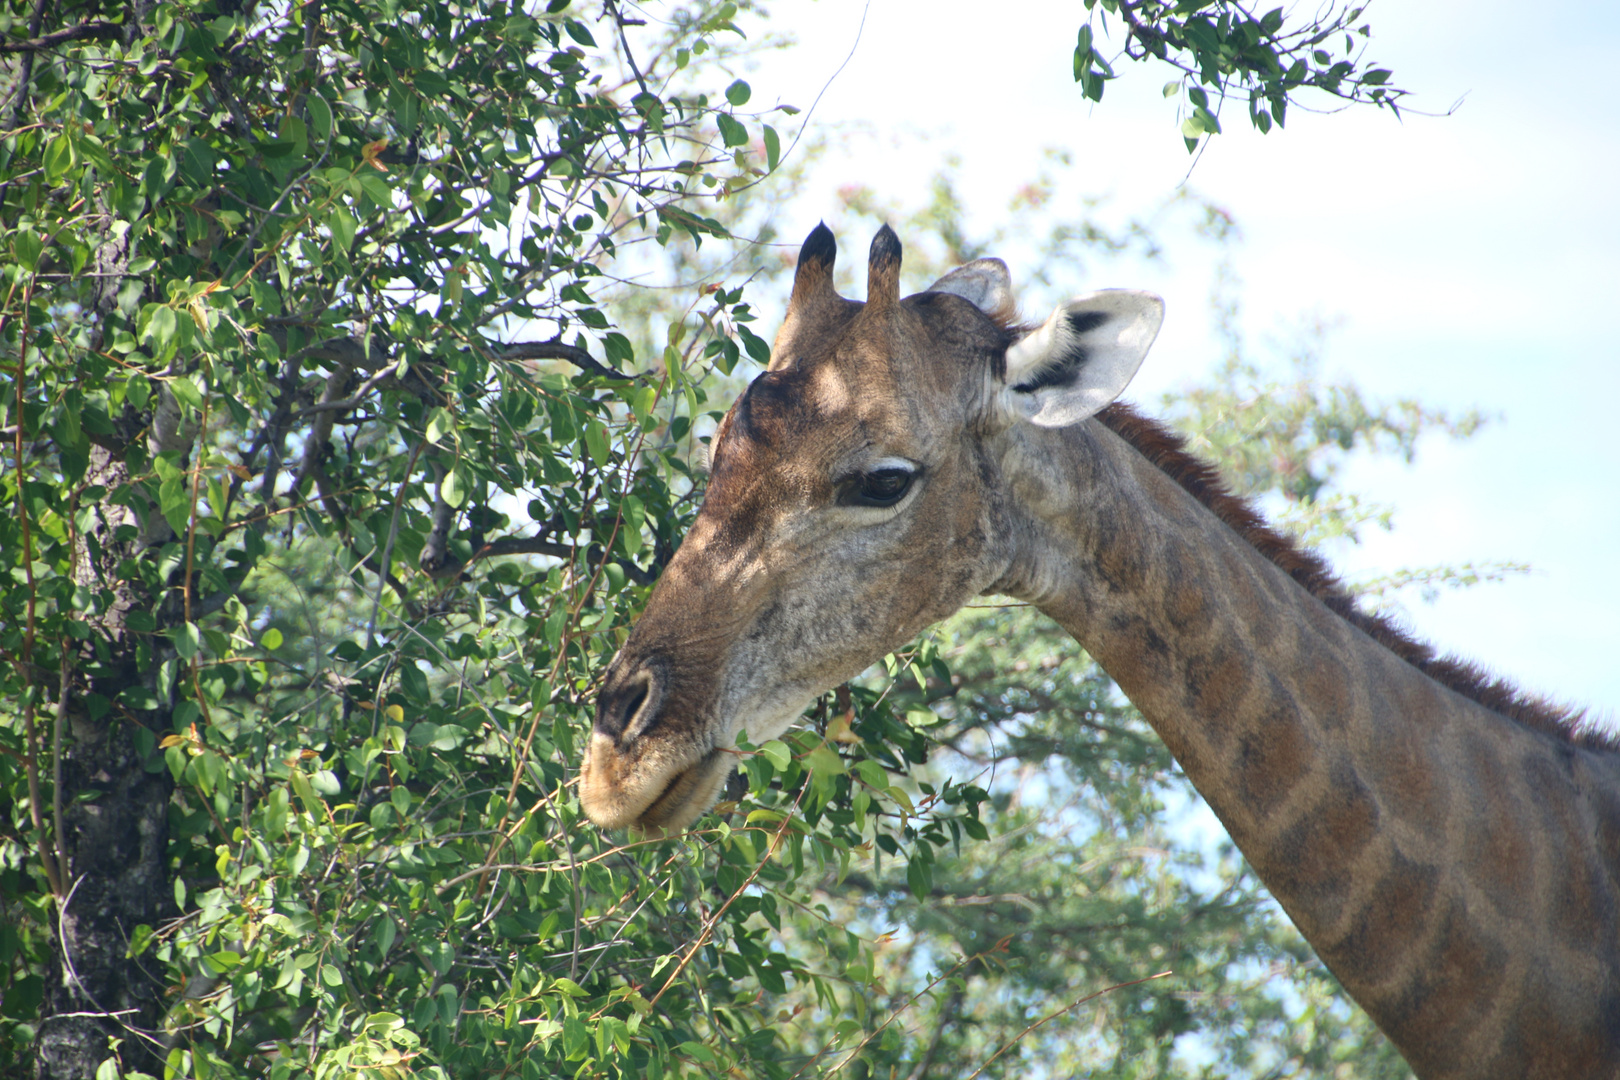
1471	261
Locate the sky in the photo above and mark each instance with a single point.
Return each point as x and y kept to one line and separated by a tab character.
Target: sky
1470	260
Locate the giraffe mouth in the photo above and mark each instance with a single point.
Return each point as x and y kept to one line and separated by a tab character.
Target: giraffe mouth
689	793
652	794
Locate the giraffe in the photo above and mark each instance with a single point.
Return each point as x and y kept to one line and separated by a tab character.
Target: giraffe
1448	847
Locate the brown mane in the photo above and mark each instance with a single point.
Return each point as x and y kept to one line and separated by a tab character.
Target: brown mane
1168	452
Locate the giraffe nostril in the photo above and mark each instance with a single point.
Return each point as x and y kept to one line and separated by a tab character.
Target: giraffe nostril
622	707
637	700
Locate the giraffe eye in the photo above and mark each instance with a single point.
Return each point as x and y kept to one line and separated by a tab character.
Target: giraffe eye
880	487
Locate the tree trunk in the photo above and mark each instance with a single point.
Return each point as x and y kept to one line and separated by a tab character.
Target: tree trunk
116	847
114	827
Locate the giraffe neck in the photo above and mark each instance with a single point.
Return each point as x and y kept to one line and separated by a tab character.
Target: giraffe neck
1456	870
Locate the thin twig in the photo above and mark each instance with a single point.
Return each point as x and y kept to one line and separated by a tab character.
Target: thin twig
1055	1013
351	402
556	350
618	22
388	546
712	920
25	660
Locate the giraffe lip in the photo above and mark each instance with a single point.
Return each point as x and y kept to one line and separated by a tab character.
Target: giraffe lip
684	798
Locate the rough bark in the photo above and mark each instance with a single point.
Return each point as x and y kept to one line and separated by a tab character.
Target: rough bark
114	834
116	846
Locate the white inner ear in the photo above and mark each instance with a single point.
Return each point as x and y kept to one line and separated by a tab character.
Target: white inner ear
1082	358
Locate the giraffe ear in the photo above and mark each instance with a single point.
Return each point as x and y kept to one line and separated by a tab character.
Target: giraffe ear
985	284
1078	361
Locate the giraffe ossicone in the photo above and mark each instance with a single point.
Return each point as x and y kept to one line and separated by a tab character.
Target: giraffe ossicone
1450	848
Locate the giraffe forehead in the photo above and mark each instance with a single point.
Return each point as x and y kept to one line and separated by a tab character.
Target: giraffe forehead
812	418
832	390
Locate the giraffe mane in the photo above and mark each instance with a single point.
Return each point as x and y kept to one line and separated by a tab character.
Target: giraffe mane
1168	452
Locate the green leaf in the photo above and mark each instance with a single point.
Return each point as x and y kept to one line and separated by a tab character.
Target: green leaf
777	753
596	442
274	149
271	639
375	187
185	389
919	879
698	1052
306	794
58	158
174	502
738	93
413	682
575	1037
384	1021
1082	53
441	422
320	116
187	640
456	486
342	224
577	31
27	245
773	147
757	347
161	325
222	961
873	773
633	513
384	934
824	759
731	132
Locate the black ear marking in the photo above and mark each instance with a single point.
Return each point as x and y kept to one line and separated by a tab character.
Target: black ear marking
1082	321
1065	371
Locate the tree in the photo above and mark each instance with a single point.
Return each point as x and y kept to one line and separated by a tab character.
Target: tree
300	341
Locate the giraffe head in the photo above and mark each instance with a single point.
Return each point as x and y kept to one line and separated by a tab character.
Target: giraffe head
861	489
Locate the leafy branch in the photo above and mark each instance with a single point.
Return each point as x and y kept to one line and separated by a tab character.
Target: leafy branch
1223	51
